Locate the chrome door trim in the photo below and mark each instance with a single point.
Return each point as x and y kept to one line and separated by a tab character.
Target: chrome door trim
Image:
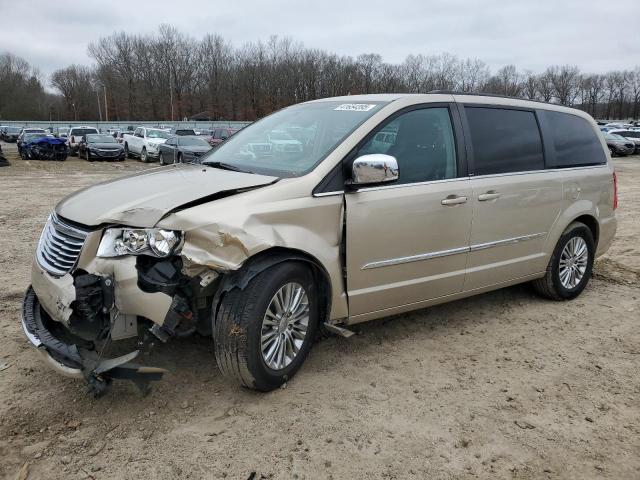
506	241
453	251
415	258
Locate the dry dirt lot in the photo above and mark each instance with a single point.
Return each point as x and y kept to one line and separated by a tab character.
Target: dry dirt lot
504	385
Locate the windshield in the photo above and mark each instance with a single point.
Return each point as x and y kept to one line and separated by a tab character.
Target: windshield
617	138
157	134
193	142
81	132
34	130
29	137
311	130
100	139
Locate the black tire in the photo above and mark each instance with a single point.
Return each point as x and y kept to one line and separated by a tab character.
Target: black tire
180	159
550	286
612	151
238	325
127	153
161	159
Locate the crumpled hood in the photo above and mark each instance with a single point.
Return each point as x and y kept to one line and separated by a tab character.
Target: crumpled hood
142	199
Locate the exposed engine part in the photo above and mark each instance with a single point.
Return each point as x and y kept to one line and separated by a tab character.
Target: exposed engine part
207	277
94	300
179	322
160	275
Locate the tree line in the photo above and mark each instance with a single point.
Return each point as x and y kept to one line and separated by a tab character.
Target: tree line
171	75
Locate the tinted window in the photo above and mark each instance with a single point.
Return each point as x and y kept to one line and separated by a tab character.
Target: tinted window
504	140
422	142
573	139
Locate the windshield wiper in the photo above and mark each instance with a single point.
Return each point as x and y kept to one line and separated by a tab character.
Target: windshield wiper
226	166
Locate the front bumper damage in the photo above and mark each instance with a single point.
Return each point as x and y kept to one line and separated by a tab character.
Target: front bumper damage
75	357
73	320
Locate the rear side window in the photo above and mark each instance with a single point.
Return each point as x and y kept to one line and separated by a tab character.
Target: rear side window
573	140
504	140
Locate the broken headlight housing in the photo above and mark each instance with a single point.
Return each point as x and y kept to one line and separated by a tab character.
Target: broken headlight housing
154	242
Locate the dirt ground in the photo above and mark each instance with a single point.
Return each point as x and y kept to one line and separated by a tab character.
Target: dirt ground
503	385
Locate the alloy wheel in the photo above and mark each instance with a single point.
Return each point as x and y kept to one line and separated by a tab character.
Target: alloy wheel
573	262
284	326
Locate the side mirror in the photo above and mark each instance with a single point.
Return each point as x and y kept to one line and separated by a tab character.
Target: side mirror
374	168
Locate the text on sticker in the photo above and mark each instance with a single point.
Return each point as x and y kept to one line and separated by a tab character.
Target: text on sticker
355	107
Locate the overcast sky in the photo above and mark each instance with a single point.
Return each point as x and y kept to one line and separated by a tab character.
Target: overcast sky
532	34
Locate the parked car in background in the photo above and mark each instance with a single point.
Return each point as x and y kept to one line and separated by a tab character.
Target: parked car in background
100	147
260	253
619	145
119	135
145	143
24	131
11	134
2	131
62	132
3	161
218	135
76	134
631	135
37	146
182	131
182	149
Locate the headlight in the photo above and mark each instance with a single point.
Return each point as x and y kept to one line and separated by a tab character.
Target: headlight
154	242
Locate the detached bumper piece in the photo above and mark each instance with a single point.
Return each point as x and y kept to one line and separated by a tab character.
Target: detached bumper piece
77	358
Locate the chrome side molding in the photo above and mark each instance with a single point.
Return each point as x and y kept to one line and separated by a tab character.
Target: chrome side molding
452	251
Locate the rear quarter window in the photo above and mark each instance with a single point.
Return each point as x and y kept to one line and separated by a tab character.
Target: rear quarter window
504	140
572	140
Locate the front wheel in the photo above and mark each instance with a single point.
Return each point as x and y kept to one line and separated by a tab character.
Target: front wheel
570	266
263	333
127	154
161	159
143	155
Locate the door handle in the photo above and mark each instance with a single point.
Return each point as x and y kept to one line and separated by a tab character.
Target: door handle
490	195
453	200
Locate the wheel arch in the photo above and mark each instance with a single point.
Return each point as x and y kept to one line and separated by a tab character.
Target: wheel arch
591	222
268	258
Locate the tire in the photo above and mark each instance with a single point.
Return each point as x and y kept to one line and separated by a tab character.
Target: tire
127	153
179	158
87	156
161	159
612	152
551	285
238	327
143	155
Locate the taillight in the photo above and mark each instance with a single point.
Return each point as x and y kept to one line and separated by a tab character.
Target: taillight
615	191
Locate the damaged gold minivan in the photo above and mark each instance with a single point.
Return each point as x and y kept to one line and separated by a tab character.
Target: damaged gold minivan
324	214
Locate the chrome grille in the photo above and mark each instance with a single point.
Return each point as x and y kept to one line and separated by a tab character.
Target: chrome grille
59	247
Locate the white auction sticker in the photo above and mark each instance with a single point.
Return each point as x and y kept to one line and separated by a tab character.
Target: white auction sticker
355	107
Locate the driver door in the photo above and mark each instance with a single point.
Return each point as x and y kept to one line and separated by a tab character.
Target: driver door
408	241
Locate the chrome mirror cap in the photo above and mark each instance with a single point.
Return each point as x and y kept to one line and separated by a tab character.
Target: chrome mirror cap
374	168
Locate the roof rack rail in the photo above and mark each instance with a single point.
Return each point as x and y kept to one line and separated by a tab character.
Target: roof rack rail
497	95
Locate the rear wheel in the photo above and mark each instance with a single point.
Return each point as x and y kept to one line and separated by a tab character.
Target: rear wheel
161	159
612	151
264	332
570	266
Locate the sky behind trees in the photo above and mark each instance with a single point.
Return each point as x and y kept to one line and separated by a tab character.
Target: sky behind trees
595	35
